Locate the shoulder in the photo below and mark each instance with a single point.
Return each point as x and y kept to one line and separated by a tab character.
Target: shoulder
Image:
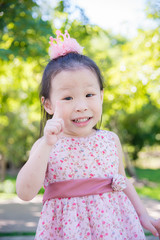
36	144
115	138
110	135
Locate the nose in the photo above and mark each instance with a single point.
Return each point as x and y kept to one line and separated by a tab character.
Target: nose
81	106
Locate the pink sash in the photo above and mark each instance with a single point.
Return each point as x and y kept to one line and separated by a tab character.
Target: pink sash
78	188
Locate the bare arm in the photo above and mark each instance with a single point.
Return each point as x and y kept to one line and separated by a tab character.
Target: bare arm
147	222
32	175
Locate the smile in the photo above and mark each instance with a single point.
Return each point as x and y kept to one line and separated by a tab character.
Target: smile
81	120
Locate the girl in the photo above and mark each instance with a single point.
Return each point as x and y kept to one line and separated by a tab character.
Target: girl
87	195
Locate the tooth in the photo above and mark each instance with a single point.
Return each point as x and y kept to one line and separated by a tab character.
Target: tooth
81	120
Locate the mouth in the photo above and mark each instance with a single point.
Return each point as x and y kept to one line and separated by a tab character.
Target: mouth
81	120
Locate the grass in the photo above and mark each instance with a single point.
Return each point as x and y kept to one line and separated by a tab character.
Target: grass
13	234
153	188
152	175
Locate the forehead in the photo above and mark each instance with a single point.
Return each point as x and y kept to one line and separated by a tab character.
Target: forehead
82	77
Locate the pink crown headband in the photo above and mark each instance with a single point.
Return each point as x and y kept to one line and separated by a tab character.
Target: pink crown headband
61	48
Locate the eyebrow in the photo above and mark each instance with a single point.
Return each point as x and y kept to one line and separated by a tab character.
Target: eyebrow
64	88
70	87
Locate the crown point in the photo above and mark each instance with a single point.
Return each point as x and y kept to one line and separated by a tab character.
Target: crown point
61	48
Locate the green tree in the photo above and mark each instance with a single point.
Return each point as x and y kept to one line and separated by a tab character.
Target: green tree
134	84
23	33
23	50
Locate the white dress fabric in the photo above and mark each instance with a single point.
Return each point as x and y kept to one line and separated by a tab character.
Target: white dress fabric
108	216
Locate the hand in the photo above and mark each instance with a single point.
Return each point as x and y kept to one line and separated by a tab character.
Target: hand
151	224
54	127
156	224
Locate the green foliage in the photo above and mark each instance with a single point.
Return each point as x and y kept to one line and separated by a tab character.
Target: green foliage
153	10
23	47
22	31
138	129
130	69
131	99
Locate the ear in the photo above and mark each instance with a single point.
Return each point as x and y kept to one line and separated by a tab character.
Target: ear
47	105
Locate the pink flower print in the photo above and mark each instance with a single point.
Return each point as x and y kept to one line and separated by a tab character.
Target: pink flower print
101	236
61	161
96	145
70	175
69	148
109	195
98	162
54	176
88	234
92	175
86	167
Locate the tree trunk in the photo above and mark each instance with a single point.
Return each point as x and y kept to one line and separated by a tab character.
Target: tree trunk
2	168
129	166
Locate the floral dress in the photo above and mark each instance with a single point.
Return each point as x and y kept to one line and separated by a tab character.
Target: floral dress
107	216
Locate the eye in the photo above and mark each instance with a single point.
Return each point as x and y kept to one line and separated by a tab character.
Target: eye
89	95
67	98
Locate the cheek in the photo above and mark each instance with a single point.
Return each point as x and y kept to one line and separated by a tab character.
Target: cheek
98	107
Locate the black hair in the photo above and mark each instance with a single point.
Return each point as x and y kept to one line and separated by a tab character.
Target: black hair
71	61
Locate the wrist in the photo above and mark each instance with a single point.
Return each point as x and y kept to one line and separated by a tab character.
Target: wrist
47	143
143	215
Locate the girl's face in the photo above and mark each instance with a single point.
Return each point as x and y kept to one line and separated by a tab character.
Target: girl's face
80	100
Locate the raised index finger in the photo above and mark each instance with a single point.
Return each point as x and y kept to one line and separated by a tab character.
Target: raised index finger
58	110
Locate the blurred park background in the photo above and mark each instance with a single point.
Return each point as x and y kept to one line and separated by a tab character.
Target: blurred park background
130	66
